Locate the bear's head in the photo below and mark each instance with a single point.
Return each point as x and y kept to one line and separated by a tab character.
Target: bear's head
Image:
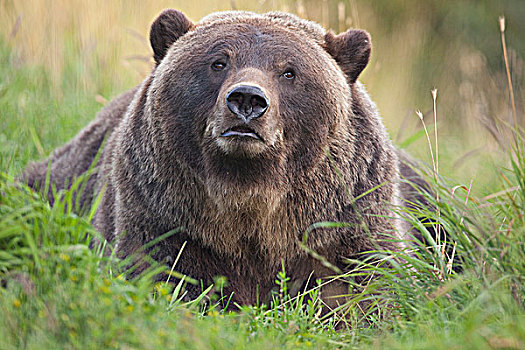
249	103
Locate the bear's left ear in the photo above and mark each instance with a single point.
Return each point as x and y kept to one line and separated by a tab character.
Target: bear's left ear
351	50
165	30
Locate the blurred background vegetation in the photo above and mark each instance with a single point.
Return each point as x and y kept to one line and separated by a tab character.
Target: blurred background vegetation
62	60
83	53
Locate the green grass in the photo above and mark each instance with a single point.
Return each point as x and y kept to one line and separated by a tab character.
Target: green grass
55	292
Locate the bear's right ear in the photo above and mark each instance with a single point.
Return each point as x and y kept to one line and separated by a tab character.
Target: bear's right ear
167	28
351	50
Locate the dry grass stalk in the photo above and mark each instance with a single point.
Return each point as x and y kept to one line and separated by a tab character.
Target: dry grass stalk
434	98
437	227
509	81
420	115
436	168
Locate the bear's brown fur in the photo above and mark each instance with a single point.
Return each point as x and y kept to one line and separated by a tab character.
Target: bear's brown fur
242	187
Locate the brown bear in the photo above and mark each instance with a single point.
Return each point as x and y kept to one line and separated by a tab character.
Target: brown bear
250	129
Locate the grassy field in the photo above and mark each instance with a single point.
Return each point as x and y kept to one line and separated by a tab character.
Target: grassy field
60	61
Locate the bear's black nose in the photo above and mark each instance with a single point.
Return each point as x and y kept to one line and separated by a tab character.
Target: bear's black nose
247	102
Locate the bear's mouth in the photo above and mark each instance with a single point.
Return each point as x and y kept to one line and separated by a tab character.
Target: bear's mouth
241	131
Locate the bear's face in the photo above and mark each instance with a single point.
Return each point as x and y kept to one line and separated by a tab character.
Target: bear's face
248	102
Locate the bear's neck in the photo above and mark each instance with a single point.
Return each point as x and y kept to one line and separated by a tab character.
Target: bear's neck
265	221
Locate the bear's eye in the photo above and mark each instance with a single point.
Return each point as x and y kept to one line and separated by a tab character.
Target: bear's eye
218	65
289	74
